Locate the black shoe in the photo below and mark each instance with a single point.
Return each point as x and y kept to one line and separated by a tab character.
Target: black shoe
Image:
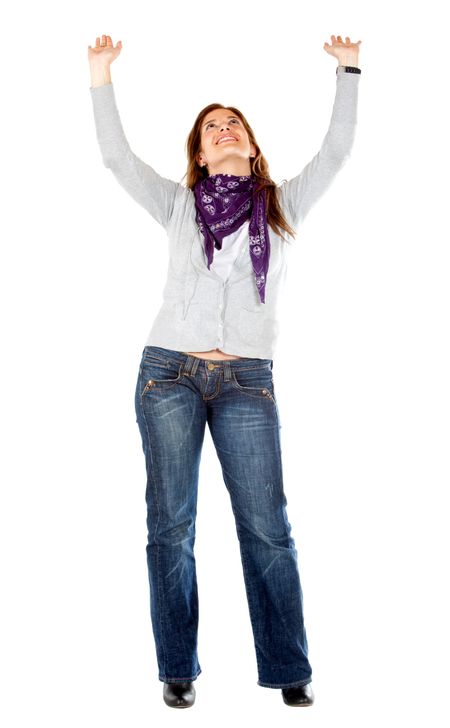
302	695
179	694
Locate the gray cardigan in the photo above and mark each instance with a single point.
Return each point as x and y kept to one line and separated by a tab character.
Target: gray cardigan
201	311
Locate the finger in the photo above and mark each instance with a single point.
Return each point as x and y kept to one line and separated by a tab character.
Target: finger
97	41
347	39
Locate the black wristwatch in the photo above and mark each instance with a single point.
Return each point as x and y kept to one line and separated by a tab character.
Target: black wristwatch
347	69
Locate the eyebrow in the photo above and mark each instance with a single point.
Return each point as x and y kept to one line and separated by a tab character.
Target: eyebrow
232	116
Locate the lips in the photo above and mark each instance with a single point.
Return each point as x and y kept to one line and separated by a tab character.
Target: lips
227	137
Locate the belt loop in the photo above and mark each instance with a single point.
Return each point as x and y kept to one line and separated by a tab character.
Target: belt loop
185	364
195	365
226	371
191	365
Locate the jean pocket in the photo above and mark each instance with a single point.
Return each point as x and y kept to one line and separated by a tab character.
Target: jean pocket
159	374
256	382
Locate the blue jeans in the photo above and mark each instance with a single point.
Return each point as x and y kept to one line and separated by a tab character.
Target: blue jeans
176	394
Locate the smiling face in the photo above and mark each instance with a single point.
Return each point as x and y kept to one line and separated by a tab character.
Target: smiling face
225	144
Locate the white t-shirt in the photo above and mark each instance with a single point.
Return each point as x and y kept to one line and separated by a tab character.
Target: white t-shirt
231	247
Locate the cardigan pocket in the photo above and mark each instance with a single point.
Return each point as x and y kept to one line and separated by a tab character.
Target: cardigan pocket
257	326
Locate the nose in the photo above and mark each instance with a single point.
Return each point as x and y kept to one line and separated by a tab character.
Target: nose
224	126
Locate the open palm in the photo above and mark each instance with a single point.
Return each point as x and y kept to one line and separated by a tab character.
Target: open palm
341	50
104	49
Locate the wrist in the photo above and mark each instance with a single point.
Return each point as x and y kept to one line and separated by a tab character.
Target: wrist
100	74
348	61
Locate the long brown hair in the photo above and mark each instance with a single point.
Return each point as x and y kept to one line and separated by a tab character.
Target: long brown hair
259	168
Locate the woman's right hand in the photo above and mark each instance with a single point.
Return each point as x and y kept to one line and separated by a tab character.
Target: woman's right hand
104	51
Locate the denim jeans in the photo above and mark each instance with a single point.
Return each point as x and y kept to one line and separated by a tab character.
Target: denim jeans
176	395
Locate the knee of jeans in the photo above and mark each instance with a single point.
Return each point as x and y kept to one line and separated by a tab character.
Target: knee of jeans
172	533
270	530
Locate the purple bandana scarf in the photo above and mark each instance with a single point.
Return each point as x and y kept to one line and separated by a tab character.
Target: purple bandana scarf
224	202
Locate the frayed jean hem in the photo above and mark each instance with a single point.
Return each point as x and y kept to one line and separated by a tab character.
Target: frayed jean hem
179	679
298	684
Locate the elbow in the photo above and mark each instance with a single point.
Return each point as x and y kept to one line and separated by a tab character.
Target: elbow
341	153
339	146
108	161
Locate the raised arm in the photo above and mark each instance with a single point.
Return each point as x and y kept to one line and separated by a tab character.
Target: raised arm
155	193
299	194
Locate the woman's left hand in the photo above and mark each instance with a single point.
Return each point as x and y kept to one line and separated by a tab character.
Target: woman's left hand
346	53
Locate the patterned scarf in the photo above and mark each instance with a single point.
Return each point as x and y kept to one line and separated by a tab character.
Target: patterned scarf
224	202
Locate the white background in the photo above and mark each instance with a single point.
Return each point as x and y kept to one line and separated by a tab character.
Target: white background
361	367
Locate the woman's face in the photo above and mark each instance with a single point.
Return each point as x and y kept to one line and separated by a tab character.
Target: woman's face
225	144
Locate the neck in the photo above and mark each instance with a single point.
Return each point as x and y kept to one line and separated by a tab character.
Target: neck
240	168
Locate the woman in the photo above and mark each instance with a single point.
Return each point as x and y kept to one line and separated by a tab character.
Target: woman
209	358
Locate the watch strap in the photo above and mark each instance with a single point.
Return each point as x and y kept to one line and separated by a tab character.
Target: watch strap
347	69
